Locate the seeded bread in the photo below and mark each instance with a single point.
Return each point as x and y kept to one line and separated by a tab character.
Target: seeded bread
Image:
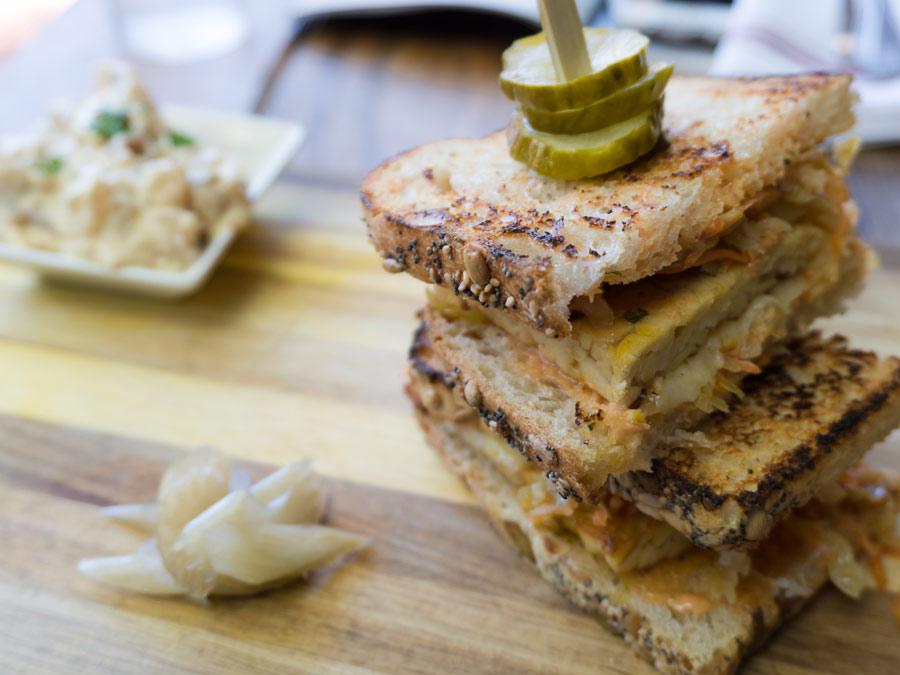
463	214
812	413
677	643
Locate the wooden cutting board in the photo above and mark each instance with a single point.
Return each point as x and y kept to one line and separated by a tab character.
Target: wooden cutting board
296	349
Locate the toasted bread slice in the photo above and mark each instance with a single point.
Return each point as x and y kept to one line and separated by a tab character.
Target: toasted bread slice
462	213
665	612
559	420
812	413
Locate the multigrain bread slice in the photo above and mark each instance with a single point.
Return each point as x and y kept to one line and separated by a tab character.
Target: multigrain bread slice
815	410
463	214
767	587
559	420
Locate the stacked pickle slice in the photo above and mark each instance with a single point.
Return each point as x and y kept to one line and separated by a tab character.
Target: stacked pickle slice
590	125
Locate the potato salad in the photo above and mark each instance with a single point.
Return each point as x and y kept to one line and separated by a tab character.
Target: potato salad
107	181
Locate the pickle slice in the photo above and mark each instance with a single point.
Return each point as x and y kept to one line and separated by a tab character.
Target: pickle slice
583	155
618	60
619	107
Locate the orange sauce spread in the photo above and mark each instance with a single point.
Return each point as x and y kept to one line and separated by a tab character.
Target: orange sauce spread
691	583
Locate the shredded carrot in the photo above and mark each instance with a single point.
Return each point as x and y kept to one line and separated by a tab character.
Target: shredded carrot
733	362
878	572
892	550
864	542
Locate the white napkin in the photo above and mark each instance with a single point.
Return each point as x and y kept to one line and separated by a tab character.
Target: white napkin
767	37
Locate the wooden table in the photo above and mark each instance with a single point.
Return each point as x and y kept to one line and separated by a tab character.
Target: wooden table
296	348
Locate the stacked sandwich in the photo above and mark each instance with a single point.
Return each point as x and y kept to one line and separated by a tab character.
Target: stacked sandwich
620	368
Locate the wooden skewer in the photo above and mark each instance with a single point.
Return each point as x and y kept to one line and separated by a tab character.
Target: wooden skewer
565	38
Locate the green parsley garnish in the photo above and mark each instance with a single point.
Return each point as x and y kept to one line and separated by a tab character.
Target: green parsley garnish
616	272
179	139
108	123
49	165
635	315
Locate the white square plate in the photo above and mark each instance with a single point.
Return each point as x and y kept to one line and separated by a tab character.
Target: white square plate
262	146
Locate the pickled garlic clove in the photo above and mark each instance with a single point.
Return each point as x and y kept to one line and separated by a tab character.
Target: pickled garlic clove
275	552
188	487
142	572
292	495
186	557
143	517
217	533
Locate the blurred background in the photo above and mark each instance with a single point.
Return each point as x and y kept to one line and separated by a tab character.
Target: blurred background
369	79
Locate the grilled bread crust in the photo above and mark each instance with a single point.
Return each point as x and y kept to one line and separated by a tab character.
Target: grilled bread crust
463	214
811	414
712	643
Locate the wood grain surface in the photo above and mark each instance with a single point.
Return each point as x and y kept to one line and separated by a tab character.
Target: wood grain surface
296	349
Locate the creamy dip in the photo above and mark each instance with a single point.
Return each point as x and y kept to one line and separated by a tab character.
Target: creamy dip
107	181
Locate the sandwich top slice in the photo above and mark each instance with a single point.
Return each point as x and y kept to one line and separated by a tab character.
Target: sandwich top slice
814	411
463	215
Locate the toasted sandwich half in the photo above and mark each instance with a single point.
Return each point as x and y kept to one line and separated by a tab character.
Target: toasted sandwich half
652	291
464	206
811	414
686	608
